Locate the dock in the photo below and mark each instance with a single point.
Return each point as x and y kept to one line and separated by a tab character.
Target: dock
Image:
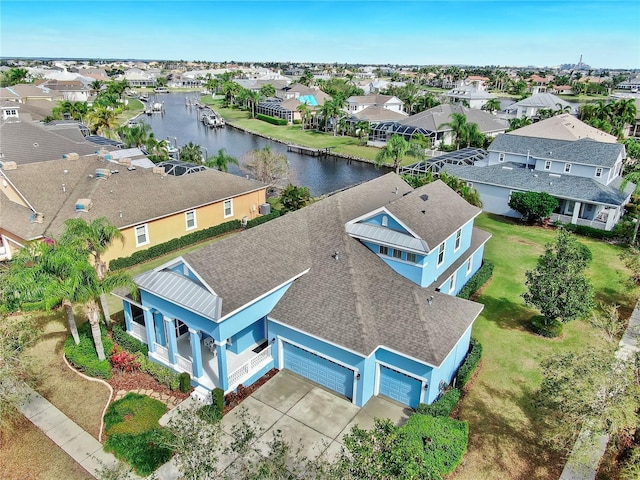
212	119
313	152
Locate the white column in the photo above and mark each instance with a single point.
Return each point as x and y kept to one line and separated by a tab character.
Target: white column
576	213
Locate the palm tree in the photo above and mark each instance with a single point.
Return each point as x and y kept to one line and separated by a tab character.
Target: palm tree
136	135
425	102
305	113
363	128
253	98
191	153
93	238
268	90
96	86
492	105
474	136
102	120
332	110
221	161
396	149
519	123
158	150
458	125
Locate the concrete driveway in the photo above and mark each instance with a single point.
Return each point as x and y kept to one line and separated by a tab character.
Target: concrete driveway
308	416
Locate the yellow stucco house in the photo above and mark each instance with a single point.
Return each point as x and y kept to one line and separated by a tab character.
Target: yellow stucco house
148	206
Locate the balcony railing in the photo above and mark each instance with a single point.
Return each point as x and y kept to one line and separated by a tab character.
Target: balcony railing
184	364
139	331
162	352
249	367
581	221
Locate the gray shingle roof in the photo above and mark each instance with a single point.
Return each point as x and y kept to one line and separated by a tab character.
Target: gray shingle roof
27	142
435	118
585	150
541	100
140	194
510	175
356	301
375	113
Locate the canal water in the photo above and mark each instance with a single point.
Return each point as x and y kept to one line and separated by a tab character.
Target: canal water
181	123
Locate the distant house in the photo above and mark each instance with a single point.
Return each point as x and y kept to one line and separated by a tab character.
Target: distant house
289	98
355	292
530	106
432	123
357	103
561	89
583	172
149	208
473	94
136	77
71	90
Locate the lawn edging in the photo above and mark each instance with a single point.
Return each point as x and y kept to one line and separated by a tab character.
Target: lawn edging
93	379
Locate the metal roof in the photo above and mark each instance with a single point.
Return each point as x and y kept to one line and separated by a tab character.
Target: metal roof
367	231
178	167
180	290
464	156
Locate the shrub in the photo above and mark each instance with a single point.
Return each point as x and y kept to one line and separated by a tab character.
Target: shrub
84	356
479	278
470	364
174	244
124	361
444	440
162	374
264	218
126	341
541	325
210	413
133	432
272	120
217	396
585	252
443	406
590	232
185	382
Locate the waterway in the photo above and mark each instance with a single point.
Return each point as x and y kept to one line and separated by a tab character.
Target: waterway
181	124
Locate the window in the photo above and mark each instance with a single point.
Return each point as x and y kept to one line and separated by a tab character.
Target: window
397	253
411	257
567	168
142	235
440	254
190	219
228	208
458	239
598	172
469	265
547	165
385	221
452	282
383	250
501	157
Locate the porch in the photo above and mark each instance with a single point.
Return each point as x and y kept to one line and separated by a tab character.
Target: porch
595	223
240	366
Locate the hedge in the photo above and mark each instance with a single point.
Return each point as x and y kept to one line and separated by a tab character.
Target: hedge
590	231
162	374
174	244
470	364
443	406
272	120
126	341
479	278
186	240
185	382
84	356
444	440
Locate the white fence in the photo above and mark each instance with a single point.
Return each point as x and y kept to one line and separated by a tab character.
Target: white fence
250	367
184	364
162	352
139	332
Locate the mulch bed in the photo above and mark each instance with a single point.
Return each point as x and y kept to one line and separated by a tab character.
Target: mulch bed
140	380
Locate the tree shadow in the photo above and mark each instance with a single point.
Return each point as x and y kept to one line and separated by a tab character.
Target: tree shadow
506	313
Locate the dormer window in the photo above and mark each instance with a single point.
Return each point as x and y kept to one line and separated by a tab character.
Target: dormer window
383	250
412	257
598	172
567	168
385	221
547	165
501	157
397	253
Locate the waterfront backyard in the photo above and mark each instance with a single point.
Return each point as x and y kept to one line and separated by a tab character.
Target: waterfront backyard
504	433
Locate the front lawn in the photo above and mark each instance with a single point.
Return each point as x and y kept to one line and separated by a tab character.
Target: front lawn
504	435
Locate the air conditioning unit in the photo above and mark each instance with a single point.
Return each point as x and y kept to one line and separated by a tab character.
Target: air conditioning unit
37	217
158	170
71	156
8	165
103	173
125	161
244	221
265	209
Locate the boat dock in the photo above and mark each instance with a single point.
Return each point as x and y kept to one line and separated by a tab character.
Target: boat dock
313	152
212	119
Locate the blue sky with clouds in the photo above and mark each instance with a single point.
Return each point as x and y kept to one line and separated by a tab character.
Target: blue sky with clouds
423	32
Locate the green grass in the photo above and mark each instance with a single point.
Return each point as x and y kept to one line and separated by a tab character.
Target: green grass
133	432
505	436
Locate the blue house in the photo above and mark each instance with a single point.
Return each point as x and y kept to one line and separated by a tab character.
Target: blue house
355	292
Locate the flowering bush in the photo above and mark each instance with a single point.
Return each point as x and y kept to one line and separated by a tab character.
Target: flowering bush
123	361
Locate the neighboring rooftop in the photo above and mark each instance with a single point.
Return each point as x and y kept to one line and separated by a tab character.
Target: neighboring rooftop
563	127
434	119
542	100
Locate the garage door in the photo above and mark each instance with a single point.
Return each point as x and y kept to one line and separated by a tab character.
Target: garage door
318	369
400	387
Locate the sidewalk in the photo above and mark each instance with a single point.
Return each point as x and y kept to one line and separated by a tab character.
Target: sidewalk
77	443
586	454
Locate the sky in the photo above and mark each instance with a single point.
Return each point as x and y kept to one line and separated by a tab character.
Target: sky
419	32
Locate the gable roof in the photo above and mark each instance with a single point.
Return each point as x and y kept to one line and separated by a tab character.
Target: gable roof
434	119
585	150
513	176
123	198
375	113
374	99
541	100
356	301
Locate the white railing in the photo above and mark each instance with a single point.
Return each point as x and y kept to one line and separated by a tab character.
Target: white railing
184	364
580	221
162	352
248	368
139	331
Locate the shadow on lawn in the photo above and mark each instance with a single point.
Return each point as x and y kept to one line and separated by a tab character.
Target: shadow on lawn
510	439
505	313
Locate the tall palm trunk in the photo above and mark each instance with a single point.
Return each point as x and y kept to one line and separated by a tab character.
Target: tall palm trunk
71	320
93	314
101	267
